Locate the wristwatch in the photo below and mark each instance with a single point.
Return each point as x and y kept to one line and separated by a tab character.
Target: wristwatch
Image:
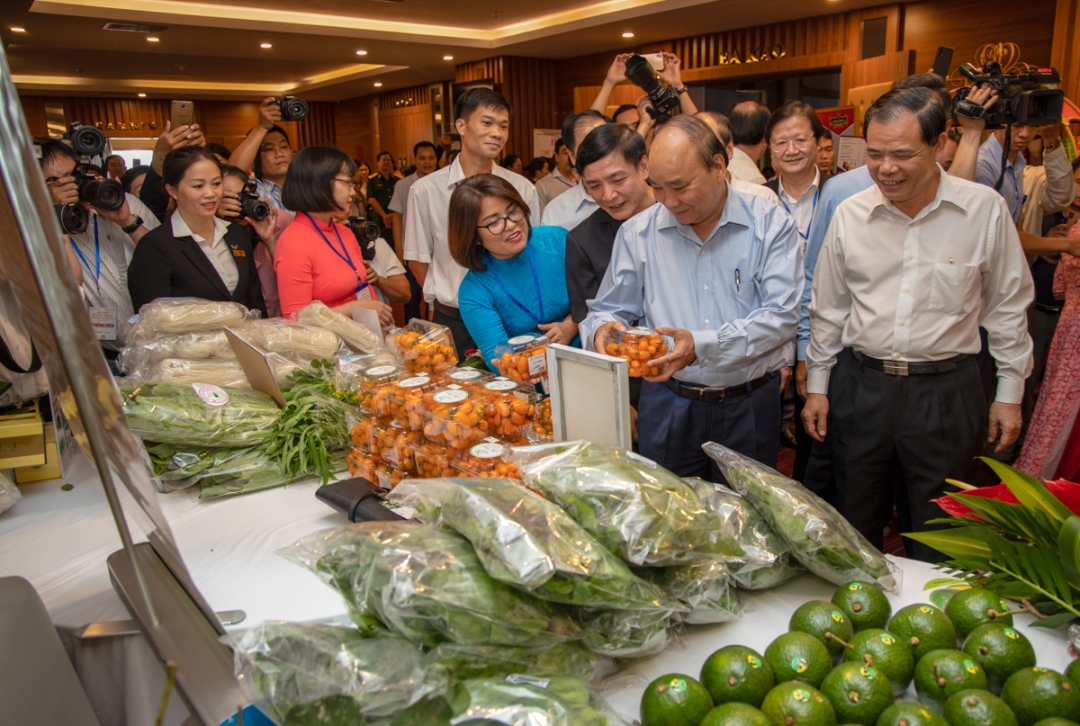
134	225
681	90
1051	146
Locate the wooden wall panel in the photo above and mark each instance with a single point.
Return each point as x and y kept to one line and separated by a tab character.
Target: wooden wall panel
401	128
34	110
966	25
528	84
1066	50
354	123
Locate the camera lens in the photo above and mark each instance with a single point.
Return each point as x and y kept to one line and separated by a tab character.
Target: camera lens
102	193
87	140
255	209
294	109
641	74
73	218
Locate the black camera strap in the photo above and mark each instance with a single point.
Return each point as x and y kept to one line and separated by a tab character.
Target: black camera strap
1004	157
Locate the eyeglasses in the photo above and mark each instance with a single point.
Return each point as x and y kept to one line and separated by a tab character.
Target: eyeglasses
797	143
343	181
515	215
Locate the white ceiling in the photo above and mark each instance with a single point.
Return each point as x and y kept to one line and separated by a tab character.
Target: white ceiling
212	49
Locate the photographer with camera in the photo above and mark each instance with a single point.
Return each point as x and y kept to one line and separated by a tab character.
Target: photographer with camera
241	204
101	243
570	209
316	257
267	148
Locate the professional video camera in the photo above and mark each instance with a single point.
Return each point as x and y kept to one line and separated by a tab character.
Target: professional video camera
1021	96
250	205
292	108
366	233
663	97
73	217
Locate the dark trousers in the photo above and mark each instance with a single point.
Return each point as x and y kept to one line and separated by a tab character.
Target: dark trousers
671	429
412	307
813	460
896	439
1041	327
463	342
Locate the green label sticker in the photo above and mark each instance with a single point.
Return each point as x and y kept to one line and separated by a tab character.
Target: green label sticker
799	665
855	586
924	609
754	661
868	672
887	639
801	695
837	616
678	685
1011	634
970	667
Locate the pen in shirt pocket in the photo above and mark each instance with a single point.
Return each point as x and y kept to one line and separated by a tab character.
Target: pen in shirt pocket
738	280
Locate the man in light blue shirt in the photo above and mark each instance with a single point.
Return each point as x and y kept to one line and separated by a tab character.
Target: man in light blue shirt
988	167
721	273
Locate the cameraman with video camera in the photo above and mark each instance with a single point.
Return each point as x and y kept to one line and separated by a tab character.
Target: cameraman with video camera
107	227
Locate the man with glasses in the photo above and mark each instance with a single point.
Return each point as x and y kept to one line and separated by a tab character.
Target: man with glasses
482	118
720	272
793	132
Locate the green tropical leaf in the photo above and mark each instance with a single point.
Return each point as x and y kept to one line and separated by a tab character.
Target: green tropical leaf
944	582
1069	547
1054	620
1012	519
957	543
1036	567
1031	492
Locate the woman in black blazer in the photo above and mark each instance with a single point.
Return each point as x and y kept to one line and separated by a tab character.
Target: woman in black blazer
195	253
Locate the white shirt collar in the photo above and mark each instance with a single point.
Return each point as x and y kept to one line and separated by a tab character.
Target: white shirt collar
945	193
181	229
809	193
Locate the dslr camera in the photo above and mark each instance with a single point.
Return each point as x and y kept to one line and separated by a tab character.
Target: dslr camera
108	194
101	193
663	97
366	233
250	205
73	217
1022	99
292	108
87	140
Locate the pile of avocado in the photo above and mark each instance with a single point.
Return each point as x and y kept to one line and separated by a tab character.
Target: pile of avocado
844	663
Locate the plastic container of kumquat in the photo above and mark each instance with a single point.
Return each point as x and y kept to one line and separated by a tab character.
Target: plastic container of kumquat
468	378
363	431
434	460
363	464
454	417
523	358
509	408
487	460
371	381
424	347
638	346
401	400
388	476
395	446
543	430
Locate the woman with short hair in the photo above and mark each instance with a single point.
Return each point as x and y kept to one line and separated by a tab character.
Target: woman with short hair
516	282
317	258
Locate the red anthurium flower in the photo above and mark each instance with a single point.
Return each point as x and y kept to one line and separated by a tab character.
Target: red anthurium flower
1067	492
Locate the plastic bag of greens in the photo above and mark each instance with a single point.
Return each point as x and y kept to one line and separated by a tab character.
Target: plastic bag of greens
427	584
625	633
199	415
257	472
822	540
703	587
523	539
487	661
764	560
520	700
293	663
640	511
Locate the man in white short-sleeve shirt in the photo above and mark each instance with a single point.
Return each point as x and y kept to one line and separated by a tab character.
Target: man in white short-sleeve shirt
482	118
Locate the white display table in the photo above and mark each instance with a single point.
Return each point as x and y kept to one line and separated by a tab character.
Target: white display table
58	540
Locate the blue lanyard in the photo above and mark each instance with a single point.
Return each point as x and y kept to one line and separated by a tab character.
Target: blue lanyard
564	181
343	253
813	208
97	256
536	281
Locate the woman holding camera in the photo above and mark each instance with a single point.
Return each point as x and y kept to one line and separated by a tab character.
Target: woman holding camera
516	282
318	258
195	253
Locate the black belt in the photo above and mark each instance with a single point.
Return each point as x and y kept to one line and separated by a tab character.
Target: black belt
1049	309
447	310
903	368
716	395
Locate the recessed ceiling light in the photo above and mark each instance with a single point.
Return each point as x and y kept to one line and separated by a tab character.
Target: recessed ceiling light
152	39
378	84
448	57
628	34
17	29
265	45
361	52
142	95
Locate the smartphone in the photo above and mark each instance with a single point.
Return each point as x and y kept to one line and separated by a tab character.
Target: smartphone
942	61
656	60
183	113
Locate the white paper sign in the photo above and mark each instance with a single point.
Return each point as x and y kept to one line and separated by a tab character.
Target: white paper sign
544	141
368	318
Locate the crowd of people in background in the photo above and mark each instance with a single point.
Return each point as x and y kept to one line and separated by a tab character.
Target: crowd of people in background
880	320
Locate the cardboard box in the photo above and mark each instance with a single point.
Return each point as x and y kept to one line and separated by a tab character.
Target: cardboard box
47	471
22	440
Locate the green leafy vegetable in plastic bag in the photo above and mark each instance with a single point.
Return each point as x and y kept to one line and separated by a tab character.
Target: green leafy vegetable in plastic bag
491	661
640	511
426	584
822	540
519	700
703	587
176	414
523	539
625	633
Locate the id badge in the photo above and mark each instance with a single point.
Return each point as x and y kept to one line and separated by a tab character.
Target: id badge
104	322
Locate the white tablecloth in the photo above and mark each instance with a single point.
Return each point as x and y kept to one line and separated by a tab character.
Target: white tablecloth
58	540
